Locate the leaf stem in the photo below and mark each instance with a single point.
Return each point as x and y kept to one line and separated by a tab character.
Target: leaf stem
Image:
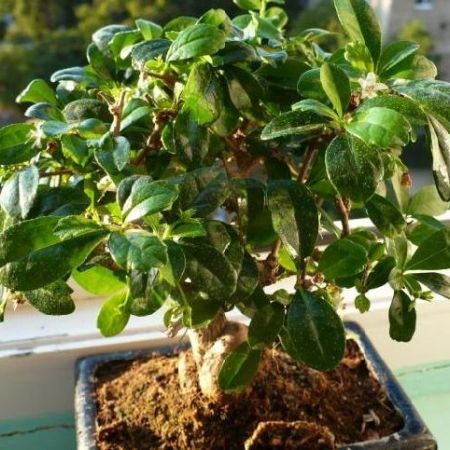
308	160
116	111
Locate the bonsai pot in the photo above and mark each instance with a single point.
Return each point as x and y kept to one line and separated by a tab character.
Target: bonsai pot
413	436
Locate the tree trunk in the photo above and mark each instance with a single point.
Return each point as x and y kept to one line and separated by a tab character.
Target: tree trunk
210	346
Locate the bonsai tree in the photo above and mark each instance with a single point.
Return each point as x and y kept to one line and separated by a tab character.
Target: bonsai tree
193	165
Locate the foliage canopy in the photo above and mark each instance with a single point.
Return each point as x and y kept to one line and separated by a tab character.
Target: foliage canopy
158	173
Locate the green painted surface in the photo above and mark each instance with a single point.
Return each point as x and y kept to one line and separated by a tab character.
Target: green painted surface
47	432
428	387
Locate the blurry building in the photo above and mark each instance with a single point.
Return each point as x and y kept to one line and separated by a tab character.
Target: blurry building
435	16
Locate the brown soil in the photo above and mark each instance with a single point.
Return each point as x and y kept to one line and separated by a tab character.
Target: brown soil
289	406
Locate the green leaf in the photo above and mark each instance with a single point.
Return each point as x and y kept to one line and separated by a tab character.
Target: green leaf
393	54
294	123
147	51
379	275
137	250
439	140
233	52
121	45
248	4
196	40
174	269
295	216
336	85
75	148
54	299
148	197
437	282
315	332
426	201
343	258
433	253
354	168
99	280
310	86
113	316
209	270
403	105
432	96
265	325
200	312
19	192
44	111
104	36
239	368
360	23
149	30
386	217
73	226
402	317
203	190
16	145
423	229
146	293
316	107
202	94
381	127
102	65
86	108
32	255
37	91
358	55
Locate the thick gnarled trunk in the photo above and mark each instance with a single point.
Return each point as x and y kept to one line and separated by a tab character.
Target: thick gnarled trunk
210	346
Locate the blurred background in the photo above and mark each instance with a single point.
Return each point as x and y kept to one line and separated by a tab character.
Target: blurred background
38	37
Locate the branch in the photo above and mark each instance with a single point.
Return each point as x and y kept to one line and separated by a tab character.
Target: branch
116	111
342	205
308	160
55	173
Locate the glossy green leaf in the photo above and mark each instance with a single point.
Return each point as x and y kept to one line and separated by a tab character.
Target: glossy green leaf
37	91
99	280
439	140
343	258
433	253
426	201
294	123
315	332
379	275
149	30
102	65
202	97
147	51
393	54
148	197
196	40
386	217
310	86
336	85
265	325
209	270
239	368
121	44
32	255
74	226
354	168
360	23
358	55
175	266
295	216
381	127
437	282
402	317
54	299
362	303
113	316
19	192
316	107
137	250
248	4
75	148
16	145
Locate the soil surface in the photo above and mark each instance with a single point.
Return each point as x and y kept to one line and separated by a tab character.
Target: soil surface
289	406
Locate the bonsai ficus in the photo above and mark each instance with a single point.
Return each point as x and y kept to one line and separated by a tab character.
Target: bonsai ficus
193	165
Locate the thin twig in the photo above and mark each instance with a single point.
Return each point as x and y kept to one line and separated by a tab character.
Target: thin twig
116	111
307	163
344	213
